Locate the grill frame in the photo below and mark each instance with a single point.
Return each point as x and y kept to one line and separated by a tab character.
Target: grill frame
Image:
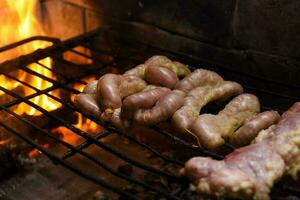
54	51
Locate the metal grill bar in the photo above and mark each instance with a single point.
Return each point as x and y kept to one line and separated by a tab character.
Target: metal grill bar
65	83
89	137
101	135
85	144
104	166
58	160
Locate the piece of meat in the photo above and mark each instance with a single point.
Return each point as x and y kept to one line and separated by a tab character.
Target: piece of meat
141	100
87	104
91	87
294	109
246	173
108	92
162	61
138	71
164	108
250	129
131	85
199	77
198	98
285	137
250	172
212	130
112	88
180	69
161	76
113	119
86	101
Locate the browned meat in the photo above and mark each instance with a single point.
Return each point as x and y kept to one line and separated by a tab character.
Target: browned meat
180	69
246	173
86	101
164	108
199	77
108	92
113	119
111	88
87	104
131	85
161	76
141	100
91	87
138	71
199	97
162	61
251	171
212	130
250	129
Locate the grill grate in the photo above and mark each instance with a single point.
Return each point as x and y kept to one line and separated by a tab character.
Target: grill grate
55	53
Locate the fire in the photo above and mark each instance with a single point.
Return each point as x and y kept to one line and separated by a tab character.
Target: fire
82	123
2	142
19	21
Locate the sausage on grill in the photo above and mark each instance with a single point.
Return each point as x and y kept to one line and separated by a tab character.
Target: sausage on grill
250	172
91	87
212	130
164	108
88	105
112	88
250	129
161	76
142	100
199	97
162	61
199	77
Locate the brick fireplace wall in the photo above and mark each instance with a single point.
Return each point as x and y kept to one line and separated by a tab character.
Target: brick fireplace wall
259	37
255	36
68	18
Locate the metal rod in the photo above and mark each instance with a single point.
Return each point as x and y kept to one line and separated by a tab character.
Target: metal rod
67	165
85	144
101	164
89	137
186	144
83	40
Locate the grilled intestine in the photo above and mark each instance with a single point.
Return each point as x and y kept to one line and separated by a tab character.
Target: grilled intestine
142	100
198	98
250	129
104	98
88	104
199	77
112	88
178	68
250	172
213	130
161	76
164	108
152	93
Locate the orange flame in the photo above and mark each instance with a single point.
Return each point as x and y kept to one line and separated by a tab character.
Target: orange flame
82	123
2	142
18	22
